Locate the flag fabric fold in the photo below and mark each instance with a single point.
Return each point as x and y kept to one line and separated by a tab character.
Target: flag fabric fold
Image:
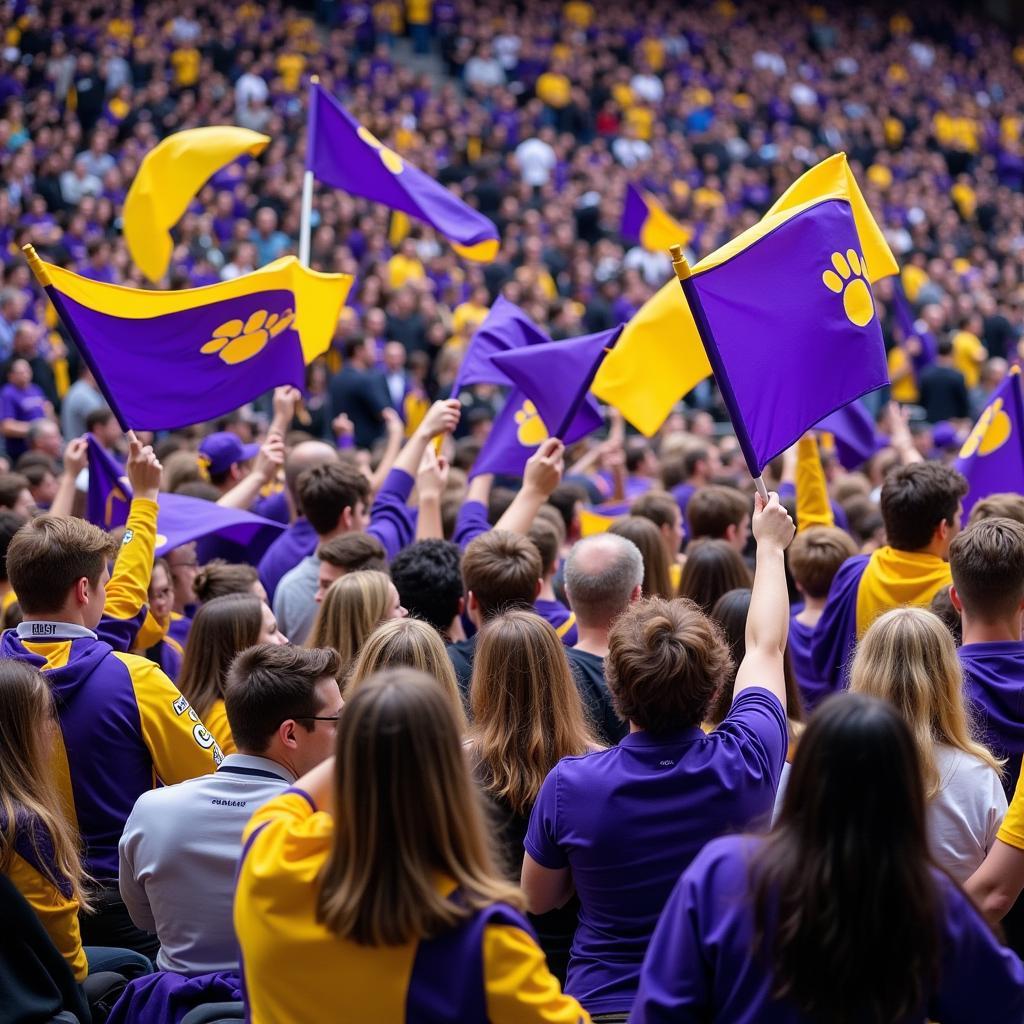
344	154
166	360
992	457
854	434
646	221
663	333
168	179
180	519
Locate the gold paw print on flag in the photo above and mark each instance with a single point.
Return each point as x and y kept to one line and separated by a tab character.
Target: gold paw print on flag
236	341
848	279
991	432
532	430
388	157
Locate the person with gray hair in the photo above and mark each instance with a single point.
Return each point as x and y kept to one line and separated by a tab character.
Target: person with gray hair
603	577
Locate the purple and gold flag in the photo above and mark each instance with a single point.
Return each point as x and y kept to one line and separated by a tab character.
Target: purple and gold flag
853	431
180	519
788	321
166	360
343	154
992	457
646	221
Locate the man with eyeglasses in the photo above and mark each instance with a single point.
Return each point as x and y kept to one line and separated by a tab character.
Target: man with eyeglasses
181	844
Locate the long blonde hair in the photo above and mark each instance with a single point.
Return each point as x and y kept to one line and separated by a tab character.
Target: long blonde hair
907	657
406	812
527	712
29	801
407	643
353	607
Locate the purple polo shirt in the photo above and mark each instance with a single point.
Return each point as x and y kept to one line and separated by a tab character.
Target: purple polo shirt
700	966
627	820
813	689
24	406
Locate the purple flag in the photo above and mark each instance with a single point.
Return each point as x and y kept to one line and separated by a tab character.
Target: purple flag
992	457
506	327
854	432
789	325
929	346
180	519
634	214
343	154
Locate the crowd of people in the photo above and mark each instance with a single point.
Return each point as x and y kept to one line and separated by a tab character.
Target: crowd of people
616	740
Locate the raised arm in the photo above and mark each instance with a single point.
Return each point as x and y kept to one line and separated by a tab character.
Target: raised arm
812	505
542	475
441	418
76	458
268	463
430	484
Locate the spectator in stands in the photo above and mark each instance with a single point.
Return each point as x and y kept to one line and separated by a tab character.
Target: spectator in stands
943	392
16	494
225	459
907	657
693	470
788	927
21	402
180	848
82	398
661	508
363	889
547	538
428	576
713	568
351	552
217	578
647	538
665	662
720	513
359	390
223	627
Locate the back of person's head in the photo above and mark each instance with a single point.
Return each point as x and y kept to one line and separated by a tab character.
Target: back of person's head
987	564
865	519
908	658
527	712
222	627
353	552
567	498
305	455
50	554
712	568
406	811
269	684
502	571
666	660
942	606
218	577
944	345
602	574
816	555
180	468
713	509
407	643
353	607
428	576
998	506
11	487
851	837
547	541
657	566
658	506
916	500
10	524
27	789
326	491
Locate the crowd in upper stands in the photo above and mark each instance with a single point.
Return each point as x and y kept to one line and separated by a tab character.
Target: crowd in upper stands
616	740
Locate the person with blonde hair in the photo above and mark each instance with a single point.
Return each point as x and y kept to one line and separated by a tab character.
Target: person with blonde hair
353	607
908	658
373	895
407	643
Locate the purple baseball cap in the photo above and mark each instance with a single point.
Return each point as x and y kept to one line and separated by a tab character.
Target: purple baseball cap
222	450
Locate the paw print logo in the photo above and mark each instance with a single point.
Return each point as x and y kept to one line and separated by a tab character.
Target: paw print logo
990	433
848	279
532	430
236	341
388	157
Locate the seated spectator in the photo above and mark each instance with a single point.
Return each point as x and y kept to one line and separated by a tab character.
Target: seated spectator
657	567
673	787
428	576
353	607
180	848
58	568
547	539
787	927
42	480
351	552
907	657
345	888
407	643
527	716
720	513
217	578
713	568
501	572
221	630
21	402
603	577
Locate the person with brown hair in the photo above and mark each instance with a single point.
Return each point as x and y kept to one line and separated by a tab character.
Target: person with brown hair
547	533
619	825
663	510
218	577
713	568
720	513
351	552
998	506
372	894
501	571
221	629
657	567
527	716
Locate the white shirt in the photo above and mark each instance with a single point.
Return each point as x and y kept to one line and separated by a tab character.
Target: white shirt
536	161
965	814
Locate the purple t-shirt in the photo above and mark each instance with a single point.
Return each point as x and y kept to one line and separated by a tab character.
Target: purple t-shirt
24	406
629	819
813	689
700	965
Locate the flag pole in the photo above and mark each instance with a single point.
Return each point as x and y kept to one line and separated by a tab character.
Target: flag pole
682	269
307	180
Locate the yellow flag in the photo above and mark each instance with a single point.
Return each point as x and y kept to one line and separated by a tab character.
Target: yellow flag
398	230
660	228
593	523
170	176
659	357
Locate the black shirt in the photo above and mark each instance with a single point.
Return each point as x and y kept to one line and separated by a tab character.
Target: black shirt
461	655
588	673
944	394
